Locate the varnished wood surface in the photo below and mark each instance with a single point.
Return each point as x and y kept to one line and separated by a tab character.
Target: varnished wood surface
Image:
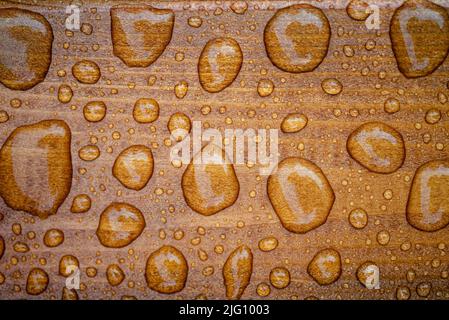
331	120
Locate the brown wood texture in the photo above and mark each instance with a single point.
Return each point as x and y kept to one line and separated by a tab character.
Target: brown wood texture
368	78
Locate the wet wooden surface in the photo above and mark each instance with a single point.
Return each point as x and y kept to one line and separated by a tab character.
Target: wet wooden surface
368	78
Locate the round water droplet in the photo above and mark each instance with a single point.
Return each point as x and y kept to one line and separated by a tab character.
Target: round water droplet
403	293
94	111
377	146
81	203
209	183
280	277
358	218
239	7
25	49
119	225
140	33
36	182
65	93
419	32
300	194
358	10
219	64
383	237
86	71
325	267
115	275
392	105
53	238
237	272
294	122
428	201
265	87
37	281
134	167
166	270
433	116
423	289
195	22
146	110
179	125
297	38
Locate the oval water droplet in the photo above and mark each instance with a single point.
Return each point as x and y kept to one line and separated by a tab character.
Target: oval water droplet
53	238
166	270
219	64
68	265
115	275
300	194
69	294
297	38
140	33
294	122
81	203
377	147
419	32
280	277
209	183
179	125
25	49
86	71
428	201
119	225
36	182
94	111
134	167
146	110
37	281
268	244
325	267
358	10
237	271
89	153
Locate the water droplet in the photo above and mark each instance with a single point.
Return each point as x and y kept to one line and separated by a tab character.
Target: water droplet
403	293
140	33
268	244
392	105
419	32
86	71
265	87
383	237
25	49
179	125
209	183
237	272
325	267
331	86
120	224
36	182
263	289
181	89
239	7
53	238
428	204
69	294
366	274
4	117
115	275
94	111
423	289
65	93
37	281
377	147
280	277
134	167
195	22
146	110
358	218
297	38
219	64
433	116
358	10
89	153
300	194
294	122
81	203
166	270
68	265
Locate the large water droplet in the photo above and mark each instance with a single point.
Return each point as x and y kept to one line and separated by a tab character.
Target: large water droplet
300	194
134	167
120	224
86	71
219	64
25	49
209	183
166	270
419	32
428	202
115	275
237	271
297	38
140	33
36	167
377	146
37	281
